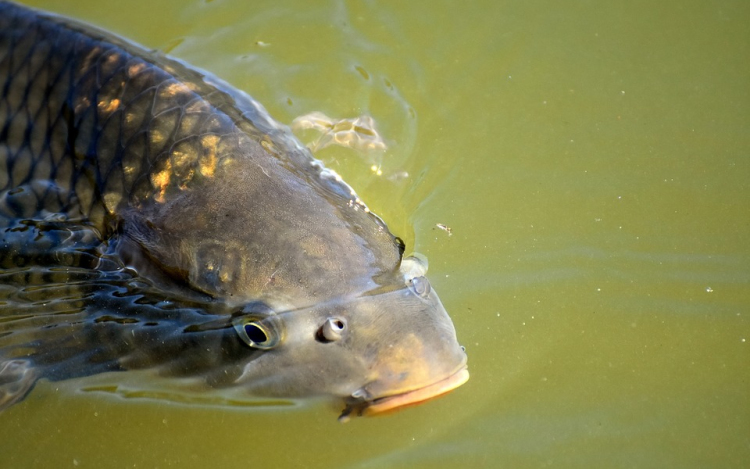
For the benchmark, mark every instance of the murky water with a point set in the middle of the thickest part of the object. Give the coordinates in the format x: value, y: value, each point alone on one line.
x: 591, y: 160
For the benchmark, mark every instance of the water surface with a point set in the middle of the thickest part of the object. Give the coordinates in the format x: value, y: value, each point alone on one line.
x: 592, y: 160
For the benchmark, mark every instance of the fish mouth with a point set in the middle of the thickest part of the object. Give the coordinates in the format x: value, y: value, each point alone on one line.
x: 409, y: 398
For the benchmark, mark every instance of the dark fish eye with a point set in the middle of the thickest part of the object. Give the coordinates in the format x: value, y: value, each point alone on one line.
x: 257, y: 334
x: 420, y: 286
x: 331, y: 330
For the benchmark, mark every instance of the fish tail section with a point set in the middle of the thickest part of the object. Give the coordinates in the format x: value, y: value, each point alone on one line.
x: 17, y: 378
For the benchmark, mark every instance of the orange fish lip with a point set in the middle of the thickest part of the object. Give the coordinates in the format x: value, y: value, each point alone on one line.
x: 416, y: 396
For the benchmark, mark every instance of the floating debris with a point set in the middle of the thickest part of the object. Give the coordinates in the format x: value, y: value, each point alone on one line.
x: 445, y: 228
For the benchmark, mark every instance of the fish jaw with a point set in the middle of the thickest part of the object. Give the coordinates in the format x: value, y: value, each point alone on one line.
x: 394, y: 402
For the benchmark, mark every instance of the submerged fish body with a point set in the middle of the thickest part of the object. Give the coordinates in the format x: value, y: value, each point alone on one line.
x: 153, y: 217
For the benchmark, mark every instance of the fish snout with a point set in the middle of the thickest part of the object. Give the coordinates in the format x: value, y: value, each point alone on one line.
x: 413, y: 365
x: 425, y: 361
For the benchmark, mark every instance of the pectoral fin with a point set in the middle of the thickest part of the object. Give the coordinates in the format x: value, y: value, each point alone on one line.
x: 17, y: 377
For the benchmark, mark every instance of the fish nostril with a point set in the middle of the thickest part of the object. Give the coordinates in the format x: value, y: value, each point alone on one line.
x: 420, y: 286
x: 331, y: 330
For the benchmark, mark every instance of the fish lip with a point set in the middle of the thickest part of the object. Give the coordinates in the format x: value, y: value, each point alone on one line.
x: 384, y: 404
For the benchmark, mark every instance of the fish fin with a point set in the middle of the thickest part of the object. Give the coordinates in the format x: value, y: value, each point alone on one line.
x: 17, y: 377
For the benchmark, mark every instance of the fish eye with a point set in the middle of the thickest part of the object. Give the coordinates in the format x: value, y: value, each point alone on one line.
x: 257, y: 334
x: 331, y: 330
x: 420, y: 286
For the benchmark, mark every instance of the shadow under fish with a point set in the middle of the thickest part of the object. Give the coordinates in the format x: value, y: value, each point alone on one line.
x: 153, y: 217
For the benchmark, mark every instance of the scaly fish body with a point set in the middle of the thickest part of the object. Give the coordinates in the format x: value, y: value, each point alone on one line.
x: 156, y: 175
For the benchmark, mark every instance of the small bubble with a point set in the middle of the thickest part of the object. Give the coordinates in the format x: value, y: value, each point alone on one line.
x: 709, y: 290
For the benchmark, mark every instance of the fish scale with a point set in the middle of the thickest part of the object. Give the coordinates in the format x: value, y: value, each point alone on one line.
x: 117, y: 117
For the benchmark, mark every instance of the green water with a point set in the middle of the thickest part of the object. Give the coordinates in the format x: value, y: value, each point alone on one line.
x: 592, y: 160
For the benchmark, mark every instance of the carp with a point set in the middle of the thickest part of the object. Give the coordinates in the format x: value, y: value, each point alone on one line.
x: 154, y: 217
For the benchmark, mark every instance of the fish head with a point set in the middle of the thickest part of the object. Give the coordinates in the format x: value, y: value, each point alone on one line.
x: 388, y: 348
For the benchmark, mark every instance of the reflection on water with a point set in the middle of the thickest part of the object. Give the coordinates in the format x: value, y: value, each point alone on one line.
x: 57, y: 280
x: 202, y: 399
x: 70, y: 307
